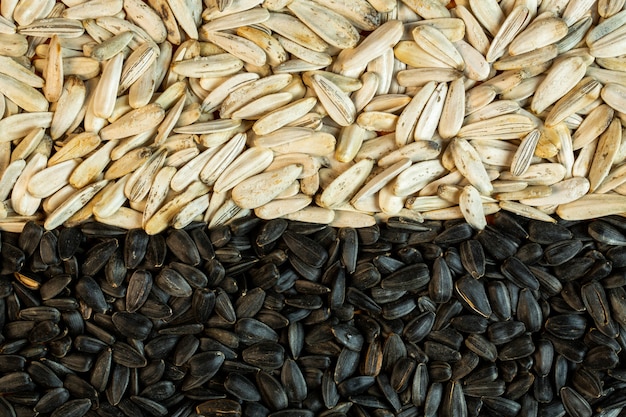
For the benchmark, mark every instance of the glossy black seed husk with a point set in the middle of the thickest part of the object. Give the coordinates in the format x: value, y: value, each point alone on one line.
x: 283, y: 318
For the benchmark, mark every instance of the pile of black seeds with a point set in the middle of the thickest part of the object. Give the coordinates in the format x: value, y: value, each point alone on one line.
x: 290, y: 319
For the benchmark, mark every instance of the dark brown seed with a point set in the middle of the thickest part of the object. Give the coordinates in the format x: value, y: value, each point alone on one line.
x: 52, y: 400
x: 272, y: 391
x: 251, y: 331
x: 101, y: 370
x: 156, y: 252
x: 73, y: 408
x: 40, y: 313
x: 548, y: 283
x: 90, y: 292
x: 433, y: 400
x: 132, y: 325
x: 80, y: 388
x: 440, y: 286
x: 481, y: 346
x: 185, y: 348
x: 362, y: 301
x: 382, y: 380
x: 499, y: 299
x: 43, y: 375
x: 305, y: 248
x: 265, y: 355
x: 545, y: 233
x: 604, y: 232
x: 419, y: 385
x: 473, y: 294
x: 194, y: 276
x: 497, y: 244
x: 566, y: 326
x: 601, y: 358
x: 573, y: 269
x: 454, y: 234
x: 54, y: 286
x: 439, y: 371
x: 518, y: 348
x: 519, y: 274
x: 520, y: 386
x: 349, y: 248
x: 574, y: 403
x: 139, y: 287
x: 222, y: 407
x: 224, y: 307
x: 12, y: 259
x: 411, y: 278
x: 587, y: 382
x: 560, y: 252
x: 69, y: 241
x: 402, y: 374
x: 573, y: 350
x: 505, y: 331
x: 473, y: 257
x: 330, y: 395
x: 173, y: 283
x: 348, y: 336
x: 400, y: 308
x: 135, y: 247
x: 347, y: 365
x: 469, y: 323
x: 30, y: 237
x: 202, y: 367
x: 594, y: 297
x: 529, y: 253
x: 48, y: 248
x: 15, y: 382
x: 202, y: 304
x: 271, y: 231
x: 419, y: 327
x: 355, y: 385
x: 126, y: 355
x: 528, y: 311
x: 183, y: 247
x: 98, y: 256
x: 150, y: 406
x: 453, y: 401
x: 366, y: 275
x: 510, y: 225
x: 617, y: 255
x: 159, y: 391
x: 241, y: 387
x: 502, y: 406
x: 293, y: 381
x: 440, y: 352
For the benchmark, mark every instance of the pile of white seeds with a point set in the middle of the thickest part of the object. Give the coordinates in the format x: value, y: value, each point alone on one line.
x: 343, y: 112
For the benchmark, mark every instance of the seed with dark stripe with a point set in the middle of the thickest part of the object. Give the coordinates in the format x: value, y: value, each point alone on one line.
x: 52, y: 400
x: 73, y: 408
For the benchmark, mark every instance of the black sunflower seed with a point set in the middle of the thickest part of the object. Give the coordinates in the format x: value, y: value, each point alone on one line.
x: 73, y: 408
x: 135, y: 247
x: 516, y: 271
x: 183, y: 247
x: 241, y: 387
x: 546, y: 233
x: 305, y: 248
x: 474, y: 295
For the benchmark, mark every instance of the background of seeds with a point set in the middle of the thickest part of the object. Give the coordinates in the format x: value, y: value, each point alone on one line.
x: 155, y: 114
x: 298, y: 319
x: 167, y: 113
